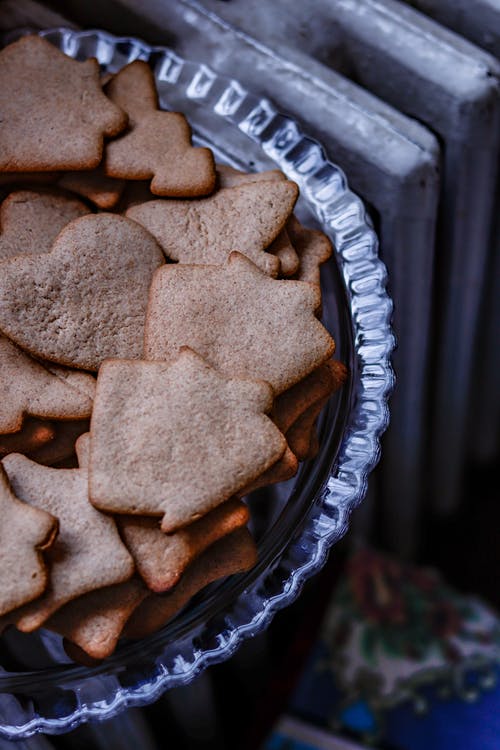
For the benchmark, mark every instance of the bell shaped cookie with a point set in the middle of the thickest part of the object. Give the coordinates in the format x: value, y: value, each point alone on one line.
x: 86, y: 299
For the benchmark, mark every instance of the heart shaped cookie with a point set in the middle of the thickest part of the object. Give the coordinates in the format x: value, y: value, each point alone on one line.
x: 86, y: 299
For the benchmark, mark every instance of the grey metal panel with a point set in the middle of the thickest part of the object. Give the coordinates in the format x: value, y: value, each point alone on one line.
x: 453, y: 87
x: 477, y: 20
x: 436, y: 76
x: 484, y: 425
x: 391, y: 160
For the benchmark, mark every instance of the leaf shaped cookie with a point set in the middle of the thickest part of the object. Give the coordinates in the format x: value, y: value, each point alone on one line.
x: 54, y: 112
x: 95, y: 621
x: 233, y: 554
x: 103, y: 191
x: 176, y: 440
x: 29, y: 388
x: 259, y: 328
x: 86, y: 299
x: 281, y: 471
x: 231, y: 177
x: 313, y: 248
x: 88, y: 553
x: 245, y: 218
x: 281, y: 246
x: 317, y: 386
x: 157, y: 144
x: 24, y: 533
x: 30, y: 221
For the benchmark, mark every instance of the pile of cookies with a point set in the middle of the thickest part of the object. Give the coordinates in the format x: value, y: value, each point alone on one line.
x: 161, y: 354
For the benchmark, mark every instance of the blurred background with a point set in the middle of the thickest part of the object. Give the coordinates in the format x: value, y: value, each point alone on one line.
x: 405, y: 98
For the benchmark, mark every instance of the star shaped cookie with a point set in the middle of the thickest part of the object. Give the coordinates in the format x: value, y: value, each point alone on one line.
x: 260, y: 327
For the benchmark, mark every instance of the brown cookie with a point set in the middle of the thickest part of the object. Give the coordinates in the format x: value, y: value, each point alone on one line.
x: 94, y: 621
x: 281, y: 246
x: 34, y: 434
x: 230, y: 177
x: 25, y: 532
x: 283, y: 249
x: 62, y: 446
x: 31, y: 389
x: 246, y: 218
x: 54, y: 113
x: 313, y: 446
x: 284, y: 469
x: 30, y: 221
x: 86, y: 299
x: 237, y: 318
x: 313, y: 248
x: 103, y: 191
x: 233, y: 554
x: 83, y: 382
x: 176, y: 440
x: 88, y: 553
x: 300, y: 434
x: 157, y: 144
x: 319, y: 384
x: 162, y: 558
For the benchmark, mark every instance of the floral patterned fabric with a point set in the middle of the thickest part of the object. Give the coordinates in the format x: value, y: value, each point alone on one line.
x: 404, y: 658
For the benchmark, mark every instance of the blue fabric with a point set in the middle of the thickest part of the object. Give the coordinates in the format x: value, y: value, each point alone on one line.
x: 451, y: 723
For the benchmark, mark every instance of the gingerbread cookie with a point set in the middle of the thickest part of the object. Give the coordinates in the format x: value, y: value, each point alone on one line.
x: 281, y: 246
x: 54, y: 113
x: 237, y: 318
x: 94, y: 621
x: 283, y: 249
x: 246, y: 218
x: 197, y: 438
x: 284, y: 469
x: 103, y: 191
x: 313, y: 248
x: 30, y: 221
x: 88, y: 553
x: 31, y: 389
x: 230, y: 177
x: 157, y: 144
x: 86, y: 299
x: 300, y: 434
x: 33, y: 435
x: 318, y: 385
x: 162, y: 558
x: 25, y: 533
x: 233, y: 554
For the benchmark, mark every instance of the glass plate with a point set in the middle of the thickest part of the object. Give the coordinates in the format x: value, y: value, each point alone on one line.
x: 295, y: 523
